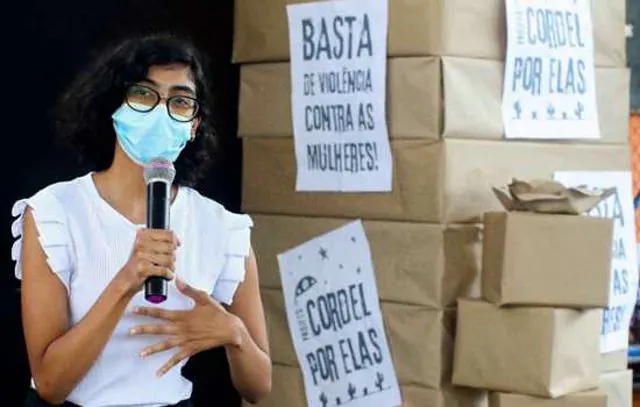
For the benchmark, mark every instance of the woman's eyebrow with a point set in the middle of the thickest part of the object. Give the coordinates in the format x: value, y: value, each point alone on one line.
x: 183, y: 88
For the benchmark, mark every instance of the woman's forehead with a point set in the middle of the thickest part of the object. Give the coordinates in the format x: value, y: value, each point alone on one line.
x: 171, y: 76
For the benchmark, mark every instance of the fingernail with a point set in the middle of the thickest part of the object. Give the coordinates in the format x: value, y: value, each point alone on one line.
x: 133, y: 331
x: 136, y: 310
x: 143, y: 354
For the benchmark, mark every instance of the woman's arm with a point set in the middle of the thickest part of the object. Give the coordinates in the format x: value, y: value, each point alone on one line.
x: 59, y: 356
x: 249, y: 360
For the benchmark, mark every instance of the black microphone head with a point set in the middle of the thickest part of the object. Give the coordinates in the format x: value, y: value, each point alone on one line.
x: 159, y: 169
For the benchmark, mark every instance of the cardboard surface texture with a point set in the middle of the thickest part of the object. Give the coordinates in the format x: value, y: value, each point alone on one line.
x: 537, y: 351
x: 423, y: 27
x: 440, y: 182
x: 545, y: 259
x: 421, y: 340
x: 420, y: 264
x: 614, y: 361
x: 420, y: 105
x: 585, y: 399
x: 288, y: 391
x: 619, y: 388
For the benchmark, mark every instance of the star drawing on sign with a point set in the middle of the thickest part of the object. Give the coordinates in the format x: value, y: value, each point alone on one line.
x: 358, y: 270
x: 323, y: 253
x: 340, y: 266
x: 353, y: 239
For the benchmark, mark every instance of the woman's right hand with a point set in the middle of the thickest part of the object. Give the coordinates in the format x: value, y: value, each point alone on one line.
x: 153, y: 254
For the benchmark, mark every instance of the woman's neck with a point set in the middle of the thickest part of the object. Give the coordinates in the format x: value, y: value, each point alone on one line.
x: 122, y: 186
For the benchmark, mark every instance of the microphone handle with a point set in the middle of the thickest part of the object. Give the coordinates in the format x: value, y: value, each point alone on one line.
x: 158, y: 193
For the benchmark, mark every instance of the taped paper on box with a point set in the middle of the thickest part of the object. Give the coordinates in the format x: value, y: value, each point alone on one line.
x: 549, y: 82
x: 614, y: 335
x: 335, y: 321
x: 338, y: 83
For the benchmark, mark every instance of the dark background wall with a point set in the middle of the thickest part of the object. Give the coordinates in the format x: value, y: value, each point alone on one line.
x: 45, y: 43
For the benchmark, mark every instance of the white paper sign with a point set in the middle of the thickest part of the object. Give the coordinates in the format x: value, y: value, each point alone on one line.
x: 335, y: 321
x: 338, y: 92
x: 624, y: 267
x: 549, y: 82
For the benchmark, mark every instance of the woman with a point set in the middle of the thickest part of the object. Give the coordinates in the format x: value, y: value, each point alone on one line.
x: 83, y: 253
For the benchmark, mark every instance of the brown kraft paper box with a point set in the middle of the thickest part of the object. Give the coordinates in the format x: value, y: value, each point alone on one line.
x: 614, y: 361
x: 619, y: 388
x: 584, y: 399
x: 420, y: 105
x: 538, y: 351
x: 424, y: 27
x: 546, y: 259
x: 440, y: 182
x: 415, y: 263
x: 288, y: 391
x: 421, y: 340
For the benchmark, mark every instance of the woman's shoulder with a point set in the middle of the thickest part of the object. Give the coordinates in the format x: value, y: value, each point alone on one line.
x: 61, y: 192
x: 53, y: 197
x: 207, y: 207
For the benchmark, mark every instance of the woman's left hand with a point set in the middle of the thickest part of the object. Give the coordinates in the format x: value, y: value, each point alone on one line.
x: 207, y: 325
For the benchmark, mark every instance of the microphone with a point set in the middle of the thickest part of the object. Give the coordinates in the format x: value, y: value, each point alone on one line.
x: 158, y: 176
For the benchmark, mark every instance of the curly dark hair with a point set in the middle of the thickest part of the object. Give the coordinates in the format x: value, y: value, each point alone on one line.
x: 83, y: 114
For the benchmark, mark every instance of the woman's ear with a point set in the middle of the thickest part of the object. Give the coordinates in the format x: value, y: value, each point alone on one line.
x: 194, y: 128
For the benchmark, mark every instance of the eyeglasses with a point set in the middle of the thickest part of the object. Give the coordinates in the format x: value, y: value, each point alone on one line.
x: 144, y: 99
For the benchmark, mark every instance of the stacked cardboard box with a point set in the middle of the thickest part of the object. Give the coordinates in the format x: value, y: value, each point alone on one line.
x: 445, y: 124
x: 545, y: 279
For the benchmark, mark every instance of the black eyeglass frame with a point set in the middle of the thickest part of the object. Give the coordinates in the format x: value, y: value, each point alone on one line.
x: 159, y: 98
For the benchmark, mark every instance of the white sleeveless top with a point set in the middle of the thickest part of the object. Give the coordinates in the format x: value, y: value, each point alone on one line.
x: 87, y: 241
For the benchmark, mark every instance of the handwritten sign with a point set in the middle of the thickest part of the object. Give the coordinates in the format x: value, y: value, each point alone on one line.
x: 335, y: 321
x: 549, y: 82
x: 624, y: 266
x: 338, y: 82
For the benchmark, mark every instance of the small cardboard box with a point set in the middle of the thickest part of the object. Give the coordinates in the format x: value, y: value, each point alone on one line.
x: 467, y: 28
x: 619, y: 388
x: 421, y: 340
x: 585, y: 399
x: 427, y: 98
x: 415, y: 263
x: 614, y: 361
x: 544, y: 259
x: 439, y: 182
x: 537, y: 351
x: 288, y: 391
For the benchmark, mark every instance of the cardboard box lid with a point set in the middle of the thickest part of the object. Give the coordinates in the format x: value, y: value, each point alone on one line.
x: 421, y: 340
x: 441, y: 182
x: 538, y: 351
x: 420, y: 105
x: 584, y: 399
x: 423, y: 27
x: 415, y: 263
x: 546, y: 259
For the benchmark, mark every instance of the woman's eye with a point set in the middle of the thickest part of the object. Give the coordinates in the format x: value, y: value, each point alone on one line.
x: 182, y: 102
x: 140, y: 92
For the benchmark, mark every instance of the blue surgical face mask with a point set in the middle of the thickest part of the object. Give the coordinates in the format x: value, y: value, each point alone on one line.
x: 145, y: 136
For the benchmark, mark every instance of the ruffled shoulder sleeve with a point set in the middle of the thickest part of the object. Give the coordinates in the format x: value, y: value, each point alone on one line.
x: 53, y: 233
x: 237, y: 248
